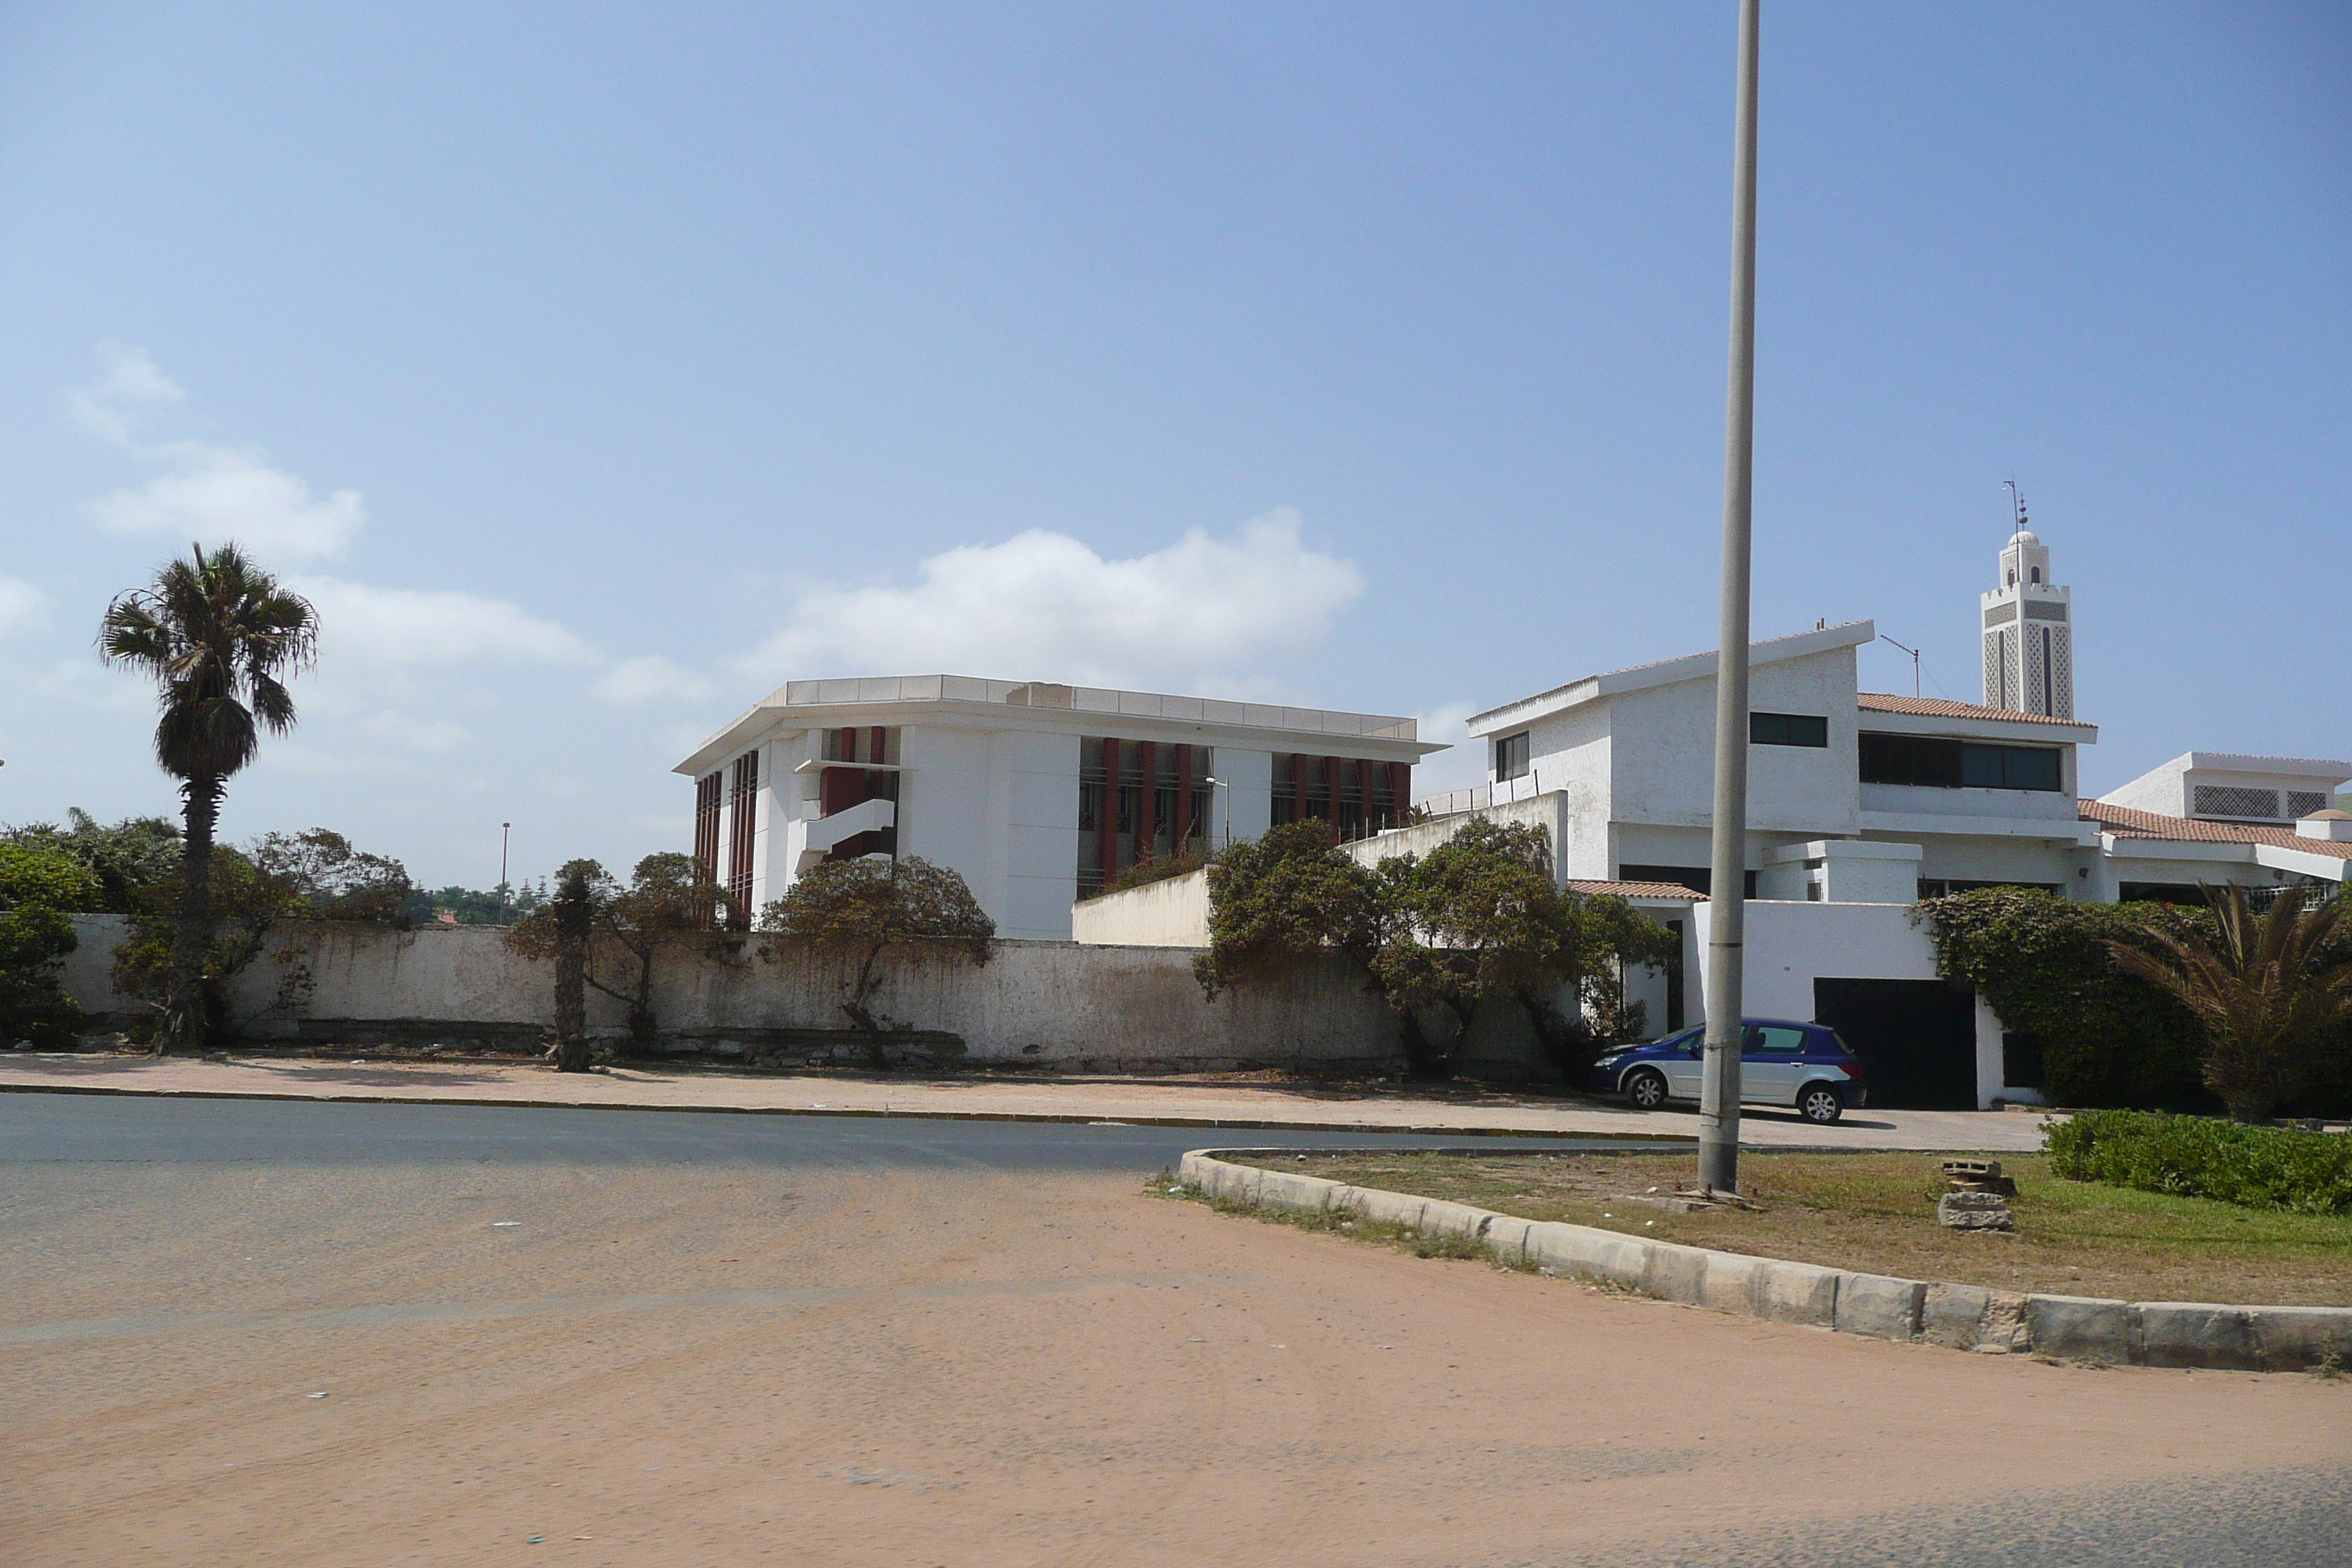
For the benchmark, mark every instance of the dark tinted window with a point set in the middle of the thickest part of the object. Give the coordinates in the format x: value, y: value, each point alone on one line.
x: 1788, y: 730
x: 1511, y: 757
x: 1941, y: 763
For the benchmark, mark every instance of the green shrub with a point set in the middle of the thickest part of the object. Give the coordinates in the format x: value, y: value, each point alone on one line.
x: 38, y: 886
x: 2193, y: 1156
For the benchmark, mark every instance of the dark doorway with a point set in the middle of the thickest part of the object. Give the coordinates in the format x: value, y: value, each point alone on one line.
x: 1917, y: 1039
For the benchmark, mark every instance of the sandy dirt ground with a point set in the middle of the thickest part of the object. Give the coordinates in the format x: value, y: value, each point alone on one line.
x: 1371, y: 1107
x: 487, y: 1363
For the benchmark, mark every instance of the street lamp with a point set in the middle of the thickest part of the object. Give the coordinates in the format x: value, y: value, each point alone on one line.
x: 504, y: 829
x: 1216, y: 784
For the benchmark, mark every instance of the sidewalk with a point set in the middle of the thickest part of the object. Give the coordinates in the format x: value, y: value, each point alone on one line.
x: 1440, y: 1110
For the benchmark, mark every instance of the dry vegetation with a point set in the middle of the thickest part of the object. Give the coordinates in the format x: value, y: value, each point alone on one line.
x: 1876, y: 1213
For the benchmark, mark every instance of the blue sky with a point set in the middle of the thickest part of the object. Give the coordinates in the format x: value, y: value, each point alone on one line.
x: 596, y: 369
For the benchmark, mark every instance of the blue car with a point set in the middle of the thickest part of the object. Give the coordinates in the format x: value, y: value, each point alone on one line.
x: 1781, y: 1062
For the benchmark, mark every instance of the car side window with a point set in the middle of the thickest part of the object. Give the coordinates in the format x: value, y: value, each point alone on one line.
x: 1775, y: 1040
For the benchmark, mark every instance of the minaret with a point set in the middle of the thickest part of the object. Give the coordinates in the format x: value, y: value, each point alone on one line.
x: 2029, y: 633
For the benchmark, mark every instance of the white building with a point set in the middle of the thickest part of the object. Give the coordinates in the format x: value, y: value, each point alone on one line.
x: 1862, y: 803
x: 1036, y: 793
x: 2222, y: 786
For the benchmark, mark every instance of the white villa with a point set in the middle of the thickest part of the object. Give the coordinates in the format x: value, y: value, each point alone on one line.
x: 1036, y: 794
x: 1860, y: 805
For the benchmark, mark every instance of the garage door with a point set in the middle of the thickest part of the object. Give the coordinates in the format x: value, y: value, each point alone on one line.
x: 1917, y: 1039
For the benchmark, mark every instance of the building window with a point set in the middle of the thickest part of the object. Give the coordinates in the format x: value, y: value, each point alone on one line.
x: 1511, y: 757
x: 1936, y: 763
x: 1788, y: 730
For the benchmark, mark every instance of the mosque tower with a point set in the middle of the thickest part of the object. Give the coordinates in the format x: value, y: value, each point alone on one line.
x: 2029, y: 633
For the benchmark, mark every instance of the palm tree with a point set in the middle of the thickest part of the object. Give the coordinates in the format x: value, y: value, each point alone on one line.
x: 2264, y: 989
x: 219, y: 635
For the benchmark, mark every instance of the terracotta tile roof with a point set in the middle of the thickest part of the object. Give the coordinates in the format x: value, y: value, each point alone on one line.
x: 1636, y: 890
x: 1938, y: 707
x: 2126, y: 823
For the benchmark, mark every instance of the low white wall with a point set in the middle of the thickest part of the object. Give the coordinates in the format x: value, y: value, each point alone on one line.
x: 1046, y: 1003
x: 1171, y: 913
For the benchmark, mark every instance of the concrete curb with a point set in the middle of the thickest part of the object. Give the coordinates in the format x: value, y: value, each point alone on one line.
x: 1082, y: 1119
x: 2199, y: 1334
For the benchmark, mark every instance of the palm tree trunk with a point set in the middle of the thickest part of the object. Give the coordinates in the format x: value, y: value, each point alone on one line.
x: 184, y: 1002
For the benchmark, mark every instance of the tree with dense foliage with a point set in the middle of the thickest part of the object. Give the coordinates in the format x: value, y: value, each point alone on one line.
x: 2267, y: 987
x: 125, y: 858
x: 859, y: 912
x: 2044, y: 965
x: 250, y: 895
x: 1287, y: 896
x: 1481, y: 918
x: 40, y: 887
x: 219, y: 637
x: 669, y: 903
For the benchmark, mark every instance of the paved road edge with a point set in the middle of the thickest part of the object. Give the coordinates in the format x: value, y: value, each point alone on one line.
x: 1080, y: 1119
x: 2180, y: 1334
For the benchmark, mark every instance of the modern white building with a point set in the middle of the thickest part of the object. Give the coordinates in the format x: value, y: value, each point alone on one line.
x: 1862, y: 803
x: 1037, y: 793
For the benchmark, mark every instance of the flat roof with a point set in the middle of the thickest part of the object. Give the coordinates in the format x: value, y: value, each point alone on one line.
x: 828, y: 700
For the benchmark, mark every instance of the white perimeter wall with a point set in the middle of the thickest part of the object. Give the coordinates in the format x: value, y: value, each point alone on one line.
x: 1789, y: 946
x: 1171, y: 913
x: 1034, y: 1003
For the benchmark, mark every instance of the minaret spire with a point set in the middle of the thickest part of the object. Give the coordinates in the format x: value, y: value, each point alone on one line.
x: 2029, y: 633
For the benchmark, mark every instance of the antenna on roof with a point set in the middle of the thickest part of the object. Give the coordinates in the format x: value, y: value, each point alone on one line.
x: 1915, y: 662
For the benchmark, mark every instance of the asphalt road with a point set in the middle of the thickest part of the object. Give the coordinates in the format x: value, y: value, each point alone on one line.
x: 172, y: 1393
x: 44, y: 1127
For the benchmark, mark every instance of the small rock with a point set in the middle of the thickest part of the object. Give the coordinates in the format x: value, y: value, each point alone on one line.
x: 1974, y: 1211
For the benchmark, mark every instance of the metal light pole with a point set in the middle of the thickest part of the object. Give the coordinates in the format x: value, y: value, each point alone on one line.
x: 504, y: 829
x: 1718, y: 1114
x: 1216, y: 784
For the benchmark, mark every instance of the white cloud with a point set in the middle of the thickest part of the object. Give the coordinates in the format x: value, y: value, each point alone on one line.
x: 1043, y: 607
x: 128, y: 386
x: 407, y: 627
x: 21, y: 606
x: 653, y: 679
x: 207, y: 491
x: 214, y: 493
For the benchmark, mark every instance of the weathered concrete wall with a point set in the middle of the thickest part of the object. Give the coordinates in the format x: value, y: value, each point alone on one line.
x: 1171, y: 913
x: 1044, y: 1003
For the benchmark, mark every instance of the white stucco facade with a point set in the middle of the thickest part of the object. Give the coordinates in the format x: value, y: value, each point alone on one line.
x: 1004, y: 781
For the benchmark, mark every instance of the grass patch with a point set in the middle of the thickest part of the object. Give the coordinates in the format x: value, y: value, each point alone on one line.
x: 1875, y: 1213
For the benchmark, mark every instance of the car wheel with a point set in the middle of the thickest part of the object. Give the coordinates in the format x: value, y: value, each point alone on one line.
x: 1646, y: 1089
x: 1820, y: 1104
